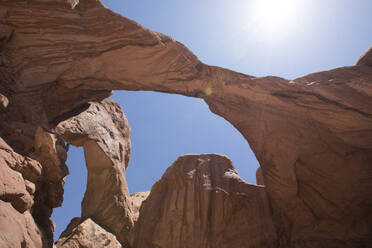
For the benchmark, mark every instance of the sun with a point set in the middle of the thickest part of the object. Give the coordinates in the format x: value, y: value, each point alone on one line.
x: 274, y: 15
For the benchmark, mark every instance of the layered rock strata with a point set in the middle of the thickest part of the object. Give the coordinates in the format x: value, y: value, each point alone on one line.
x: 311, y: 135
x: 202, y: 202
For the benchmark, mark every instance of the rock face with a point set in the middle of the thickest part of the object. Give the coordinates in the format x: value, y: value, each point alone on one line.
x: 17, y: 229
x: 312, y: 135
x: 137, y: 199
x: 103, y: 130
x: 202, y: 202
x: 19, y: 177
x: 12, y: 184
x: 87, y: 235
x: 366, y: 58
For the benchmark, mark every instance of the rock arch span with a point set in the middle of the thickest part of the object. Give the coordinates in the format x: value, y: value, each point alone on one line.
x: 311, y: 135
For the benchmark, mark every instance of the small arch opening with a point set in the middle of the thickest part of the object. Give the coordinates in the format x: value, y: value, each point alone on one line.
x: 74, y: 189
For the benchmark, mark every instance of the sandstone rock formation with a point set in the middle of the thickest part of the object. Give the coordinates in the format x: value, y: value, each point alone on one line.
x: 366, y: 58
x: 17, y: 229
x: 103, y: 130
x: 202, y: 202
x: 259, y: 177
x: 19, y: 177
x: 137, y: 199
x: 86, y: 235
x: 311, y: 135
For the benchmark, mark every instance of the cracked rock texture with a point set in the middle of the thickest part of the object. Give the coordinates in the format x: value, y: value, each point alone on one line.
x: 201, y: 201
x: 311, y: 135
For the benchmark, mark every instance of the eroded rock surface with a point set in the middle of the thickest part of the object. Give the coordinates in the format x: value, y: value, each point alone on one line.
x: 136, y: 200
x: 366, y: 58
x: 202, y: 202
x: 86, y: 235
x: 19, y: 177
x: 311, y: 135
x: 103, y: 130
x: 18, y: 229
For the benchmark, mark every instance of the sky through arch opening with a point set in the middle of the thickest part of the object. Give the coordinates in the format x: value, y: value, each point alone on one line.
x: 166, y: 126
x: 74, y: 189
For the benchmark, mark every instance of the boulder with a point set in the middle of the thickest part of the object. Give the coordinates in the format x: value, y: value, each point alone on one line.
x: 87, y: 234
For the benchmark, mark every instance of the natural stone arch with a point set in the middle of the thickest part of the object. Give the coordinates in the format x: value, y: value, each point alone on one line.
x: 309, y: 134
x: 103, y: 131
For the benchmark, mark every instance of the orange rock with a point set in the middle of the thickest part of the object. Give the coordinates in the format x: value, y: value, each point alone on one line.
x: 366, y: 58
x: 86, y: 235
x: 19, y: 230
x: 137, y: 199
x: 201, y: 201
x: 311, y: 135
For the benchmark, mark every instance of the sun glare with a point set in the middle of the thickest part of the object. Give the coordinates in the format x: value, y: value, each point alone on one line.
x: 274, y: 15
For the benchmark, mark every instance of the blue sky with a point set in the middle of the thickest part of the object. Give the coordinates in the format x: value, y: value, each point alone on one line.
x: 317, y: 35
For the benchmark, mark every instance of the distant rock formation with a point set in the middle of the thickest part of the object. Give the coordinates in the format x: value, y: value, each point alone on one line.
x: 202, y: 202
x: 61, y: 58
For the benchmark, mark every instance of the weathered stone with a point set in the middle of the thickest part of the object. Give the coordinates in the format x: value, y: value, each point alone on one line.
x: 366, y: 58
x: 86, y: 235
x: 3, y: 103
x: 18, y: 230
x: 5, y: 33
x: 27, y: 188
x: 259, y: 177
x: 49, y: 190
x: 30, y: 169
x: 18, y: 176
x: 103, y: 131
x: 136, y: 200
x: 104, y: 123
x: 201, y: 201
x: 312, y: 135
x: 49, y: 152
x: 70, y: 227
x: 13, y: 189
